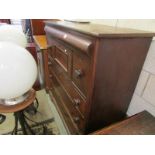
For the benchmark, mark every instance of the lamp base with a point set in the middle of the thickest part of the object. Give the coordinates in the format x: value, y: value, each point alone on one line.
x: 16, y: 100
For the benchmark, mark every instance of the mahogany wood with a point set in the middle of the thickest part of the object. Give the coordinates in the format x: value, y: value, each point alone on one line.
x: 81, y: 43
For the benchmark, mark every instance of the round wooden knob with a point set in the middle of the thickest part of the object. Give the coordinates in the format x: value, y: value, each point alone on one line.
x: 50, y: 75
x: 76, y: 119
x: 49, y: 63
x: 78, y: 72
x: 77, y: 102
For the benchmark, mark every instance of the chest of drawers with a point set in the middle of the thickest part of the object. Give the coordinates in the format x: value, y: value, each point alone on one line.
x: 92, y: 71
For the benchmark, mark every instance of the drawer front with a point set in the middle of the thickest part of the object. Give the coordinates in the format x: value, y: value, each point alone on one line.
x: 72, y: 116
x: 61, y: 56
x: 77, y: 100
x: 81, y: 71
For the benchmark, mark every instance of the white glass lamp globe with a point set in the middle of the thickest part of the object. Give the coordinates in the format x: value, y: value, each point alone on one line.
x: 12, y: 34
x: 18, y: 70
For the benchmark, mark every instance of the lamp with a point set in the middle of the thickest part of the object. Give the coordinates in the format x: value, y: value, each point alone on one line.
x: 13, y: 34
x: 18, y: 72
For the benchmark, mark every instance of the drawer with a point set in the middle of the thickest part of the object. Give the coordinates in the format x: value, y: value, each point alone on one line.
x: 62, y: 56
x: 71, y: 111
x: 77, y: 100
x: 81, y: 71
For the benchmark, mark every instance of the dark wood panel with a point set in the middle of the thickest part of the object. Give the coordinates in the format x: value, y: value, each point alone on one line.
x: 119, y: 63
x: 82, y: 43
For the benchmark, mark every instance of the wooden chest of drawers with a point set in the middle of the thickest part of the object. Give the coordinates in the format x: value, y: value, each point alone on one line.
x: 92, y: 71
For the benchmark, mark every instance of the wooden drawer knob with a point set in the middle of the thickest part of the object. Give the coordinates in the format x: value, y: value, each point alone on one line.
x: 50, y: 76
x: 78, y: 72
x: 76, y: 102
x: 49, y: 63
x: 76, y: 119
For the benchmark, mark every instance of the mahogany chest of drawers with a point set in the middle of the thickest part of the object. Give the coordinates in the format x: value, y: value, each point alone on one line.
x: 91, y: 72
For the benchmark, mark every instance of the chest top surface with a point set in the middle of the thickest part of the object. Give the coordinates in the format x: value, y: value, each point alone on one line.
x: 99, y: 30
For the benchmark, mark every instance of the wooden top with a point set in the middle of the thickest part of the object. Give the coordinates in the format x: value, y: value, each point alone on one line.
x: 41, y: 42
x: 99, y: 30
x: 139, y: 124
x: 20, y: 106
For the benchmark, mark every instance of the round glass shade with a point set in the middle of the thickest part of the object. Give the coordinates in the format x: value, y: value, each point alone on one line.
x: 12, y: 34
x: 18, y: 70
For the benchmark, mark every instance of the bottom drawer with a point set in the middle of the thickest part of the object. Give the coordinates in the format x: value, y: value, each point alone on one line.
x: 70, y: 115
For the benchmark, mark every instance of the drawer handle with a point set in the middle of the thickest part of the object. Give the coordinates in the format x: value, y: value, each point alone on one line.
x: 50, y: 76
x: 76, y: 102
x: 49, y: 63
x: 76, y: 119
x: 78, y: 73
x: 62, y: 49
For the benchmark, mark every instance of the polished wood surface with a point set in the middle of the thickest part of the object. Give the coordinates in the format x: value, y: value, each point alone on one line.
x: 20, y: 106
x: 92, y: 85
x: 41, y: 42
x: 100, y: 30
x: 118, y: 66
x: 139, y: 124
x: 82, y: 43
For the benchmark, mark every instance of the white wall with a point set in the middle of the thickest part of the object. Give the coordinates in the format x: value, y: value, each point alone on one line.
x: 144, y: 95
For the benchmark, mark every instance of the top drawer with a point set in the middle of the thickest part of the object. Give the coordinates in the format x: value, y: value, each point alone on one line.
x: 81, y: 42
x: 62, y: 56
